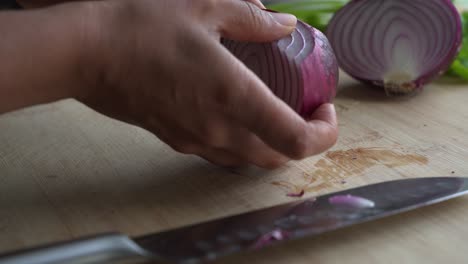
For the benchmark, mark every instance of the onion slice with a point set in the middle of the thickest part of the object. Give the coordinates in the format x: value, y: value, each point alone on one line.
x: 400, y: 45
x: 351, y: 201
x: 296, y: 194
x: 270, y: 237
x: 301, y: 69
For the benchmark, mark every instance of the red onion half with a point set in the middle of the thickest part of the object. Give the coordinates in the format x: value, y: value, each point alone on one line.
x: 301, y: 69
x: 400, y: 45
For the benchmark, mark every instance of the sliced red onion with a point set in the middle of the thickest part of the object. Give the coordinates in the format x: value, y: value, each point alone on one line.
x: 301, y: 69
x: 351, y: 201
x: 400, y: 45
x: 267, y: 239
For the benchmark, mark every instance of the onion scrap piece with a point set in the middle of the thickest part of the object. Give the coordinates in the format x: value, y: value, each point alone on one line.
x: 296, y: 194
x: 351, y: 201
x: 270, y: 237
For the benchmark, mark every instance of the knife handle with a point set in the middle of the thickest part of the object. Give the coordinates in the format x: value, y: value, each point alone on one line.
x: 106, y: 248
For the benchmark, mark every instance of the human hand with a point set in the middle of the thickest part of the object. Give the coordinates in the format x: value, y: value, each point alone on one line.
x: 160, y: 65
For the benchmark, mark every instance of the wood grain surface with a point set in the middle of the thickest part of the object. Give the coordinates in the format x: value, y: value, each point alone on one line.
x: 66, y: 172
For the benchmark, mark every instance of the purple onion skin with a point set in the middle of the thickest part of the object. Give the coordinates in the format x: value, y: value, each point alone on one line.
x: 416, y: 85
x: 315, y: 73
x: 320, y: 74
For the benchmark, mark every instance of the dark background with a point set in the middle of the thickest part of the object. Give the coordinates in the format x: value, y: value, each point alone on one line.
x: 9, y: 4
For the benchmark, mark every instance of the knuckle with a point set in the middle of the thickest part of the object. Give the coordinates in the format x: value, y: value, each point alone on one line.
x: 224, y: 161
x: 208, y: 5
x: 214, y: 136
x: 233, y: 163
x: 255, y: 17
x: 214, y: 140
x: 231, y: 92
x: 183, y: 147
x: 207, y: 9
x: 240, y: 96
x: 223, y: 96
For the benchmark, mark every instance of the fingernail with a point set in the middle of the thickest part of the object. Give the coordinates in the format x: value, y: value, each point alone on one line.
x: 282, y: 18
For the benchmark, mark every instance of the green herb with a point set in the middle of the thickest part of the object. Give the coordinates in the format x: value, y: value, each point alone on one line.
x: 459, y: 67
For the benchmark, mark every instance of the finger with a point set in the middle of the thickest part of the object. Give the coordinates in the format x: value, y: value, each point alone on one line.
x: 187, y: 145
x: 221, y: 157
x: 215, y: 156
x: 186, y: 142
x: 257, y: 3
x: 249, y: 147
x: 323, y: 127
x: 175, y: 137
x: 326, y: 113
x: 251, y: 103
x: 247, y: 22
x: 233, y: 139
x: 233, y: 142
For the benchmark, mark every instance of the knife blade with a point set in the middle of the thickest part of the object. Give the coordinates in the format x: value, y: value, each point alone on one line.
x: 254, y: 230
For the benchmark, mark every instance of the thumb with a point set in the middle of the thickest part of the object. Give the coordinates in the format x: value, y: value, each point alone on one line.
x: 257, y: 3
x: 245, y: 21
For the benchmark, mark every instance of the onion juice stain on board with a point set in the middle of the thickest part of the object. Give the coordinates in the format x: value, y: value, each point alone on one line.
x: 342, y: 164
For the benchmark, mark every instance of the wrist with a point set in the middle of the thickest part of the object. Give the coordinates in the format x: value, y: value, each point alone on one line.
x: 91, y: 58
x: 70, y: 33
x: 100, y: 63
x: 49, y: 57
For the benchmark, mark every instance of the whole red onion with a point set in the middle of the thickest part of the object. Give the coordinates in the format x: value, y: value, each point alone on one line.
x: 301, y: 69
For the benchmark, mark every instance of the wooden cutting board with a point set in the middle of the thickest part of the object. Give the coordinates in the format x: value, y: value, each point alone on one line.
x: 66, y: 172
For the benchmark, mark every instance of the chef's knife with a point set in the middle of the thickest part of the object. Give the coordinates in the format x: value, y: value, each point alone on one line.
x: 251, y: 231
